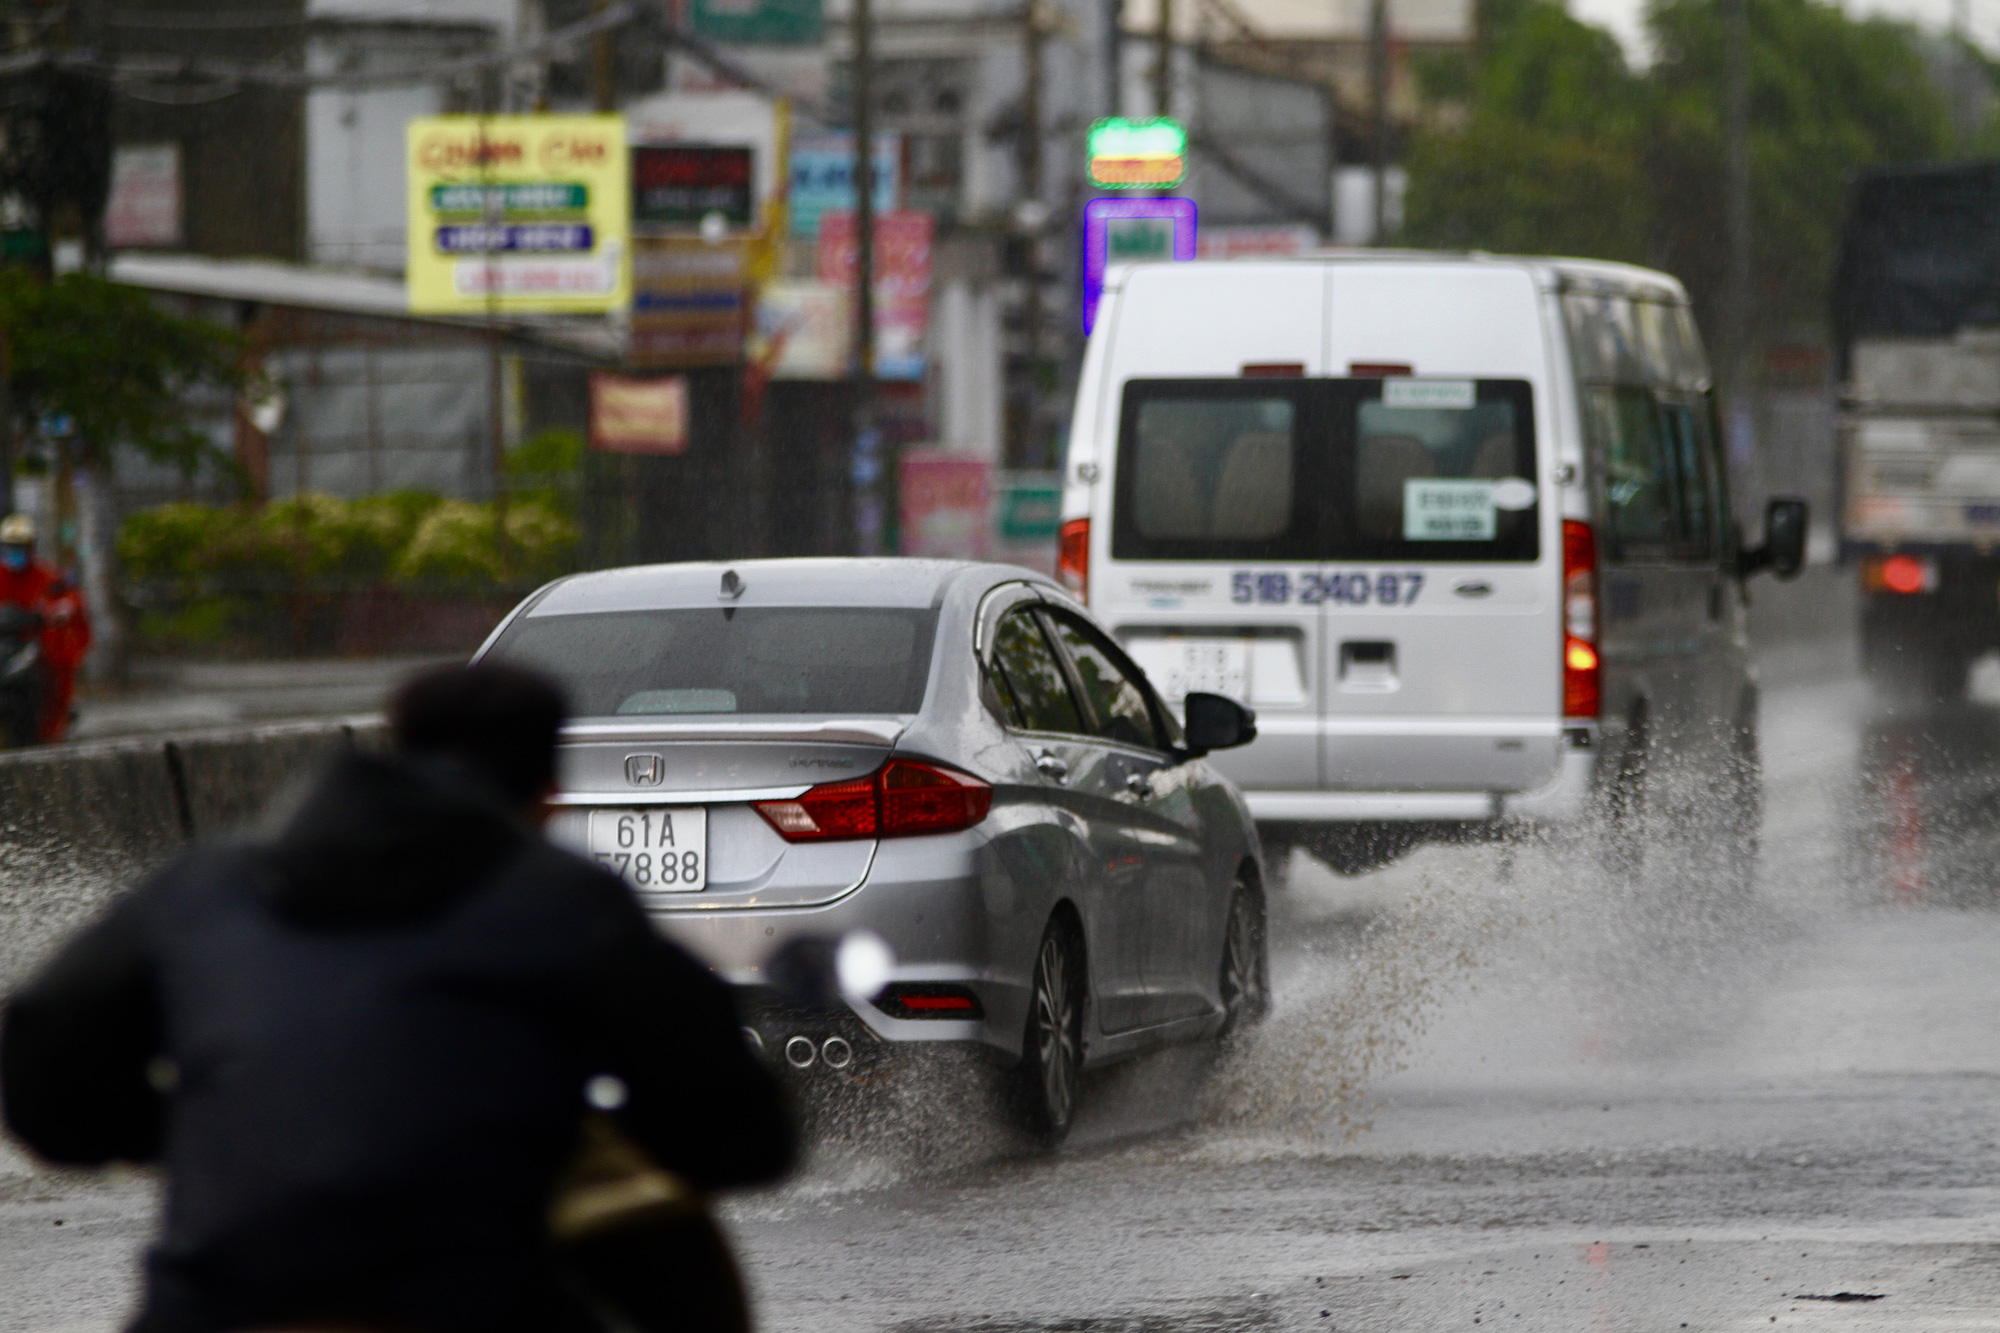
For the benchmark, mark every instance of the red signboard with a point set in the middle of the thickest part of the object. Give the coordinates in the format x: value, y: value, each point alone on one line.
x: 902, y: 283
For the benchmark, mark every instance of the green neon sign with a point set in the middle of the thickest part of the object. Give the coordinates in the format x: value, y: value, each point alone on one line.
x: 517, y: 197
x: 1137, y: 154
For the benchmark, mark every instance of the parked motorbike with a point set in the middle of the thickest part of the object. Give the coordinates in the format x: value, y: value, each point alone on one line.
x: 23, y: 676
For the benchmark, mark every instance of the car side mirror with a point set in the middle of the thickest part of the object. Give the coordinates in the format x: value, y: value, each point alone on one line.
x: 1216, y: 722
x: 1784, y: 548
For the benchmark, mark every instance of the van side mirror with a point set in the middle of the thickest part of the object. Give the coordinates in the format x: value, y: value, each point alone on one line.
x: 1784, y: 548
x: 1216, y: 722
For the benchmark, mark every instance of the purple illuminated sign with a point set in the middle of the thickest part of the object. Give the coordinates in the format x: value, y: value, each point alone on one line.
x: 1131, y: 231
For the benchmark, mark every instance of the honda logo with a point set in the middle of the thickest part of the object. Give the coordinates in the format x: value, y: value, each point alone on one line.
x: 645, y: 770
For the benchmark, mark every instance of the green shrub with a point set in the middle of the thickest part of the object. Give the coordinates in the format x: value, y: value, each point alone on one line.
x: 175, y: 541
x: 456, y: 546
x: 411, y: 539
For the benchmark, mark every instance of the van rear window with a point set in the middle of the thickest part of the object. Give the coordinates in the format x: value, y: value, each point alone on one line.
x: 1336, y: 469
x: 1209, y: 469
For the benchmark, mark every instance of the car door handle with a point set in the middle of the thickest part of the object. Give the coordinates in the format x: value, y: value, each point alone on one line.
x: 1140, y: 785
x: 1052, y: 766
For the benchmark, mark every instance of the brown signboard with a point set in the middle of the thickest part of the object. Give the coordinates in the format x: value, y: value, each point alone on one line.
x: 690, y: 301
x: 632, y: 415
x: 678, y: 185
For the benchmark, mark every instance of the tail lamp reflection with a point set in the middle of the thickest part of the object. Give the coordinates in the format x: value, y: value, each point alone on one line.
x: 930, y: 999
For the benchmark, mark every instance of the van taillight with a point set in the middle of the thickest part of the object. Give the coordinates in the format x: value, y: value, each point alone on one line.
x: 1581, y: 692
x: 903, y: 798
x: 1073, y: 558
x: 1899, y: 573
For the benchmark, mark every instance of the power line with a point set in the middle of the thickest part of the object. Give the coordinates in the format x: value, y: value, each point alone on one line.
x: 158, y: 67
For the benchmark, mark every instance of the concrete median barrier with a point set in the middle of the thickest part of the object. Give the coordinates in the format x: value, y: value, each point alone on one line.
x: 226, y: 781
x: 80, y: 822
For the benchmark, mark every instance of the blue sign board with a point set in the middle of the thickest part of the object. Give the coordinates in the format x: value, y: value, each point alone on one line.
x: 823, y: 177
x: 1131, y: 231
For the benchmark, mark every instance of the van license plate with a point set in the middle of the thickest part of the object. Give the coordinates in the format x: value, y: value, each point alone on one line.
x: 1210, y: 666
x: 657, y: 848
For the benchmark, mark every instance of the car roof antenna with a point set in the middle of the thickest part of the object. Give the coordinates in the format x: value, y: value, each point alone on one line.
x: 732, y: 585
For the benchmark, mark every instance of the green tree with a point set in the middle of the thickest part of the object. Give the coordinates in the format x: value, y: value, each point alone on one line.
x: 114, y: 362
x: 1546, y: 160
x: 1563, y: 150
x: 1828, y: 94
x: 120, y: 368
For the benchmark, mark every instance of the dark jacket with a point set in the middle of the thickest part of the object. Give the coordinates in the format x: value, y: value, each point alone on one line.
x: 360, y: 1053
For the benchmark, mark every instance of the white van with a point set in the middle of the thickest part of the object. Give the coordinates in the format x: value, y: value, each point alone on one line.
x: 1456, y: 526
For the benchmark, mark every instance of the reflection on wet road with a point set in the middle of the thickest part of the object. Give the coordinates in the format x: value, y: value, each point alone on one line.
x: 1927, y: 827
x: 1519, y: 1096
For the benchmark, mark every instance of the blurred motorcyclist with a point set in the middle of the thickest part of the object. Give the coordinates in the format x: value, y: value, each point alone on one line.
x: 364, y: 1050
x: 39, y: 587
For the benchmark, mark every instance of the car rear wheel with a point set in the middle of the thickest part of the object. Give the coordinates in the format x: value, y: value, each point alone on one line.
x: 1051, y: 1074
x: 1246, y: 966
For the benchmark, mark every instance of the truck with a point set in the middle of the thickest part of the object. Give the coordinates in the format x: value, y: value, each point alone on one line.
x: 1916, y: 320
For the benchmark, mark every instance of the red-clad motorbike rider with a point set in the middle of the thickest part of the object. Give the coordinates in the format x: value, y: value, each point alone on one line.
x: 37, y: 586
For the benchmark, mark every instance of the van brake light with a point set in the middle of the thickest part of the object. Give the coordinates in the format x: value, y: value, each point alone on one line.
x: 1582, y: 693
x: 904, y: 798
x: 1899, y: 573
x: 1073, y: 558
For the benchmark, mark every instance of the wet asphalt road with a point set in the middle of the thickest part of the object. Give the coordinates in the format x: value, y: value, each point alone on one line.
x: 1497, y: 1091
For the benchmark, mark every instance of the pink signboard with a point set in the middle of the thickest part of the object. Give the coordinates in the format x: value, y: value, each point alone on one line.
x: 902, y: 283
x: 946, y: 499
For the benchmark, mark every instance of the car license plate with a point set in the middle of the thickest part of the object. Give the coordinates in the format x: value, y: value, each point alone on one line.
x: 1180, y: 667
x: 657, y: 848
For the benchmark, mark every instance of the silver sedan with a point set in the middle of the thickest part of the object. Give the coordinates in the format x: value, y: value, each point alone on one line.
x: 953, y: 756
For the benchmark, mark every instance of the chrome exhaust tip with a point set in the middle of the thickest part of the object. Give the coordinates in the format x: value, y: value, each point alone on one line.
x: 837, y: 1053
x: 799, y: 1052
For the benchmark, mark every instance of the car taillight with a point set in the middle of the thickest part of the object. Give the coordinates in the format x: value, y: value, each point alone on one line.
x: 904, y: 798
x: 1581, y: 695
x: 1073, y: 558
x: 1904, y: 574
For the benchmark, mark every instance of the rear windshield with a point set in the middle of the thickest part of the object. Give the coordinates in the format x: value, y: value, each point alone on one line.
x: 1339, y: 469
x: 689, y: 661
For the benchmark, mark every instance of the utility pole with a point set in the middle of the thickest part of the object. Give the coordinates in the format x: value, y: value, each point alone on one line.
x: 1964, y: 77
x: 603, y: 66
x: 1736, y: 202
x: 1163, y: 72
x: 868, y: 464
x: 1031, y: 216
x: 1378, y: 115
x: 1114, y: 57
x: 603, y: 99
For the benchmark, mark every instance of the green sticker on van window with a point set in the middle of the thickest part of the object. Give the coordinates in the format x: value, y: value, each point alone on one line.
x: 1456, y: 510
x: 1455, y: 394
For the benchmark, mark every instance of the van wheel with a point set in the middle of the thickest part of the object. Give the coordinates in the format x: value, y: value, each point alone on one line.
x: 1246, y: 964
x: 1050, y: 1077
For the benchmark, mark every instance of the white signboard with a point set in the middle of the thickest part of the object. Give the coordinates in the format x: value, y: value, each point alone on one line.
x: 144, y: 208
x: 1455, y: 395
x: 1454, y: 510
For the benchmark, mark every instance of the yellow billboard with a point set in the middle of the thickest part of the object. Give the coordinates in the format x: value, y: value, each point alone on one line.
x: 516, y: 214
